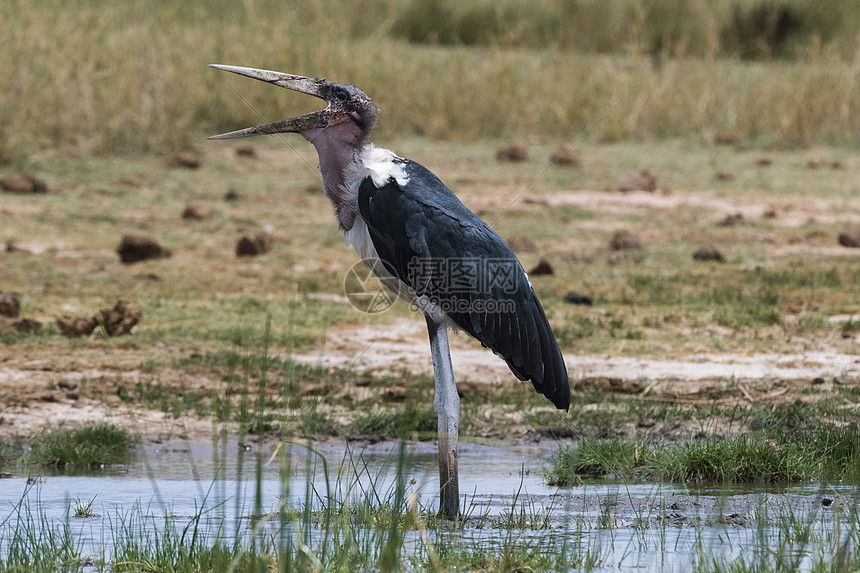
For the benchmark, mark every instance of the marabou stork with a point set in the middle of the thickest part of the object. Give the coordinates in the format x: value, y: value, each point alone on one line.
x: 426, y: 246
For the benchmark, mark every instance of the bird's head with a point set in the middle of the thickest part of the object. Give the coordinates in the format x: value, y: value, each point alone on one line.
x: 350, y: 115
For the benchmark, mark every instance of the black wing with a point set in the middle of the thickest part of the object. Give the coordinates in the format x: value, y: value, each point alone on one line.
x: 428, y: 239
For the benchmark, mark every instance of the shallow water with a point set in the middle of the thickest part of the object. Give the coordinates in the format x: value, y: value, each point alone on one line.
x: 630, y: 526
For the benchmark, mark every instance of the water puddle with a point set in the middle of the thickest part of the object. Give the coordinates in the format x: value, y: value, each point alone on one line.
x: 626, y: 526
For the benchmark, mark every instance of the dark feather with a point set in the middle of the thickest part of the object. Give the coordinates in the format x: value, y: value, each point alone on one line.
x: 428, y: 239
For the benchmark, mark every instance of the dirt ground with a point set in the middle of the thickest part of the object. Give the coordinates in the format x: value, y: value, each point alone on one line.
x: 64, y: 261
x: 32, y: 391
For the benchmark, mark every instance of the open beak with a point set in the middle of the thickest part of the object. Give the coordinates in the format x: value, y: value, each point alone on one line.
x: 310, y: 86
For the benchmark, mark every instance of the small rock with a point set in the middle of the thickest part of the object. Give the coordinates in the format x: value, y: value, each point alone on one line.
x: 838, y: 380
x: 580, y: 299
x: 724, y: 176
x: 732, y: 220
x: 23, y: 183
x: 709, y: 253
x: 67, y: 384
x: 185, y: 159
x: 646, y: 423
x: 194, y: 212
x: 818, y: 380
x: 48, y: 397
x: 231, y: 195
x: 827, y: 501
x: 120, y: 318
x: 246, y: 151
x: 764, y: 162
x: 522, y: 245
x: 641, y: 180
x: 136, y: 248
x: 514, y: 153
x: 625, y: 241
x: 259, y: 244
x: 565, y: 157
x: 542, y: 268
x: 770, y: 213
x: 9, y: 305
x: 850, y: 239
x: 72, y: 395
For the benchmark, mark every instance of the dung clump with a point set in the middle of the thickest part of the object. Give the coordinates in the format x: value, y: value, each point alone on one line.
x: 732, y: 220
x: 850, y: 239
x: 709, y: 253
x: 542, y: 268
x: 136, y: 248
x: 565, y: 157
x: 194, y: 212
x: 75, y: 326
x: 522, y: 244
x: 23, y: 183
x: 625, y: 241
x: 640, y: 180
x: 25, y: 325
x: 515, y: 153
x: 574, y: 297
x: 258, y: 244
x: 184, y: 159
x: 10, y: 306
x: 120, y: 318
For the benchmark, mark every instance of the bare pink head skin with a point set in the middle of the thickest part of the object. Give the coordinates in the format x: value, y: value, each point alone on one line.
x: 337, y: 132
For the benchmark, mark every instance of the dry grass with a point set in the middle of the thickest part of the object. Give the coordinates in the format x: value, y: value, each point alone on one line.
x: 121, y: 77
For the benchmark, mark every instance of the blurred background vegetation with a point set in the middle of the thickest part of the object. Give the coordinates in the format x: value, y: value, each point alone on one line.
x: 120, y: 77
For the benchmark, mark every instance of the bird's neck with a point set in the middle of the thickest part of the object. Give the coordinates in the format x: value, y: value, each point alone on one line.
x: 337, y: 147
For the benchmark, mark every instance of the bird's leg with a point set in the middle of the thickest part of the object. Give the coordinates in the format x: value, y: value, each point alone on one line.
x: 447, y: 404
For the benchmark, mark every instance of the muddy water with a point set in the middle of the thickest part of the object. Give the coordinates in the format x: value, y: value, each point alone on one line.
x: 629, y: 526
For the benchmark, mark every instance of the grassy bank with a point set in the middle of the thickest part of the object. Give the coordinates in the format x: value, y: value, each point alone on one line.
x: 827, y: 453
x: 79, y: 449
x: 128, y: 77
